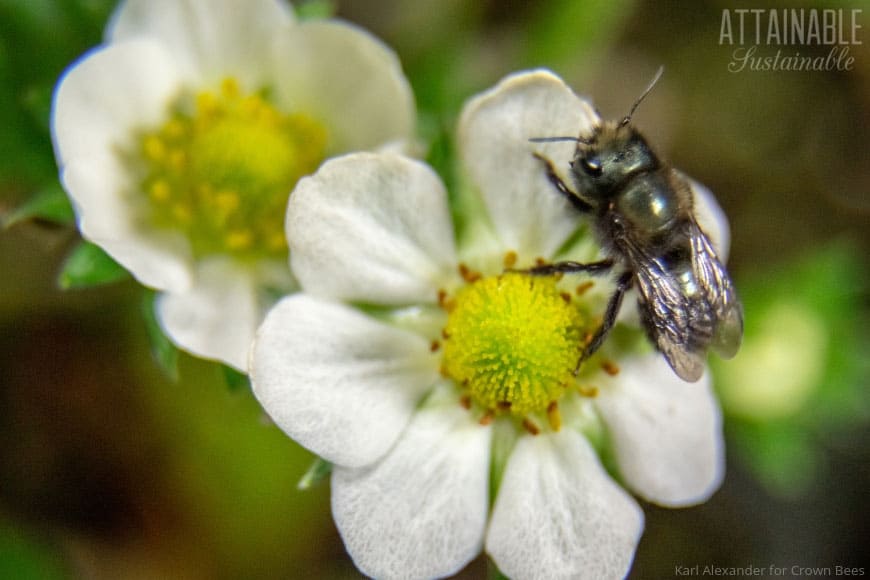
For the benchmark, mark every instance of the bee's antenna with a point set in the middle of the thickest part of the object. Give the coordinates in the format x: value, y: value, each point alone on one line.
x: 627, y: 119
x: 555, y: 139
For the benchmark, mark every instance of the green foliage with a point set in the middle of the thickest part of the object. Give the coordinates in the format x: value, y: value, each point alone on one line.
x: 785, y: 443
x: 49, y: 203
x: 235, y: 380
x: 565, y: 32
x: 38, y: 39
x: 88, y: 265
x: 784, y: 455
x: 316, y: 474
x: 234, y: 474
x: 165, y: 353
x: 493, y: 573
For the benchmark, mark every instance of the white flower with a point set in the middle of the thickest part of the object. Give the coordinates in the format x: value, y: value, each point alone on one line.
x: 180, y: 139
x: 390, y: 363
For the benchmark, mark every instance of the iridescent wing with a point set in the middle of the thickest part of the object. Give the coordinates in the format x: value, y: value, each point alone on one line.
x: 687, y: 303
x: 670, y: 318
x: 720, y: 295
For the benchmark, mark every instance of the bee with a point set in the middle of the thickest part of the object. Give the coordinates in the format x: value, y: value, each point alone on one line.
x: 641, y: 209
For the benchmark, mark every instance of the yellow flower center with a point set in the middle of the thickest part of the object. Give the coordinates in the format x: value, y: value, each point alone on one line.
x: 222, y: 167
x: 512, y: 341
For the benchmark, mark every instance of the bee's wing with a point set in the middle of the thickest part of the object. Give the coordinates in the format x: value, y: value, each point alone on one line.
x: 720, y: 295
x: 668, y: 316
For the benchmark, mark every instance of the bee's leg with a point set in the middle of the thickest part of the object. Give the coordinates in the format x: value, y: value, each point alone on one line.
x: 623, y: 283
x: 561, y: 186
x: 592, y: 268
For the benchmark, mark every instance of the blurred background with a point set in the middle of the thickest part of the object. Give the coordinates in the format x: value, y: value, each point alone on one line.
x: 112, y: 468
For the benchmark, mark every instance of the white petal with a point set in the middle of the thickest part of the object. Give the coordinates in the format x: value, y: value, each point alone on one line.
x: 346, y: 77
x: 98, y: 106
x: 338, y: 382
x: 209, y: 39
x: 421, y: 511
x: 371, y: 228
x: 712, y: 219
x: 666, y: 433
x: 97, y: 186
x: 108, y: 95
x: 529, y: 214
x: 559, y: 515
x: 217, y: 317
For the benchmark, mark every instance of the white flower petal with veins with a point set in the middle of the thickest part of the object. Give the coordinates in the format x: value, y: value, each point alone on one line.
x: 559, y: 515
x: 107, y: 95
x: 372, y: 228
x: 158, y: 259
x: 218, y: 316
x: 366, y: 98
x: 666, y: 433
x: 210, y: 39
x: 494, y: 132
x: 338, y: 382
x: 420, y: 512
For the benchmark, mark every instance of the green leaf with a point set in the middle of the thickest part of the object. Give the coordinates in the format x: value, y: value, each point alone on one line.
x: 49, y: 203
x: 164, y: 352
x: 88, y: 265
x: 234, y: 379
x: 318, y: 471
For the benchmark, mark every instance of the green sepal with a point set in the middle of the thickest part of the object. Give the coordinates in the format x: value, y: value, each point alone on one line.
x: 165, y: 353
x: 49, y: 203
x: 88, y: 265
x: 317, y: 472
x: 235, y: 380
x: 493, y: 573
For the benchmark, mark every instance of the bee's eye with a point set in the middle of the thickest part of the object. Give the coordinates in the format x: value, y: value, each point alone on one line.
x: 592, y: 166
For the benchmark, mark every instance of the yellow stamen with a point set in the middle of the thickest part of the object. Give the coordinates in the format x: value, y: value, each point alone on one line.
x: 222, y: 166
x: 554, y: 417
x: 512, y: 342
x: 160, y: 190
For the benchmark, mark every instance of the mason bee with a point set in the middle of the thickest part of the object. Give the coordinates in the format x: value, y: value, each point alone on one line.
x: 642, y: 214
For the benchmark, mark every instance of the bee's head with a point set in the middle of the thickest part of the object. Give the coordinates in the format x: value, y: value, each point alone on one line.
x: 609, y: 157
